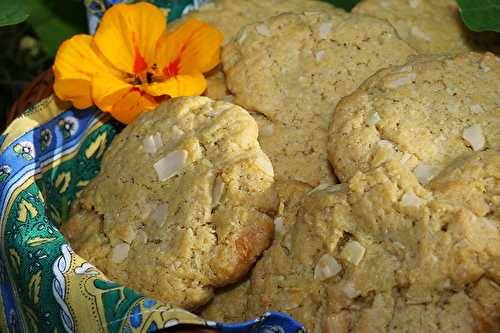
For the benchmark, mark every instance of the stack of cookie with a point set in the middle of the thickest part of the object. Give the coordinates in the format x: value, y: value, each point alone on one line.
x: 369, y: 142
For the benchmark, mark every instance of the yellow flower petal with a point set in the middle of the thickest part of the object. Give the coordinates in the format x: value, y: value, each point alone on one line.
x: 76, y: 60
x: 107, y: 89
x: 180, y: 85
x: 192, y: 47
x: 75, y: 90
x: 128, y: 34
x: 124, y: 101
x: 131, y: 105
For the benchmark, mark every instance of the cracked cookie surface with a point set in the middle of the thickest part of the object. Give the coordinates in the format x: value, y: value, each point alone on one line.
x: 182, y: 204
x: 383, y: 253
x: 424, y: 114
x: 294, y: 68
x: 430, y: 26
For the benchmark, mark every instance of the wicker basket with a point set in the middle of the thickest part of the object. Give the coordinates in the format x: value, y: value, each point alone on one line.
x: 34, y: 92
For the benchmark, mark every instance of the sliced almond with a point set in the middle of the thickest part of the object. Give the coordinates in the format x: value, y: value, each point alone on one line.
x: 405, y: 158
x: 410, y: 199
x: 319, y: 55
x: 266, y: 130
x: 318, y: 188
x: 263, y: 30
x: 265, y: 164
x: 159, y: 214
x: 279, y: 227
x: 325, y: 29
x: 373, y: 119
x: 476, y: 108
x: 171, y: 164
x: 415, y: 31
x: 350, y: 291
x: 217, y: 191
x: 120, y: 253
x: 353, y: 252
x: 401, y: 81
x: 425, y: 173
x: 475, y: 137
x: 326, y: 267
x: 152, y: 143
x: 414, y: 3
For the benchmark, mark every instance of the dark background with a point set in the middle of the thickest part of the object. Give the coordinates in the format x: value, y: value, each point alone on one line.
x: 28, y: 49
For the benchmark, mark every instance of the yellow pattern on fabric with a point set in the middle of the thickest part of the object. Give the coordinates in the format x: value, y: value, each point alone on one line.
x: 41, y: 113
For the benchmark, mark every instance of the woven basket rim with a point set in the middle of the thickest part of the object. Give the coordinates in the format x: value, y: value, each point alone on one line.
x: 34, y: 92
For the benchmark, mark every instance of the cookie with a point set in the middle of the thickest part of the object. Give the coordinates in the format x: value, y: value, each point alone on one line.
x: 230, y: 16
x: 183, y: 204
x: 230, y: 304
x: 424, y: 114
x: 472, y: 181
x: 430, y: 26
x: 216, y: 85
x: 294, y: 68
x: 382, y: 253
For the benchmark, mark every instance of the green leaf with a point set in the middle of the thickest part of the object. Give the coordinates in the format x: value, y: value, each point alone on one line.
x: 480, y: 15
x: 12, y: 12
x: 56, y: 20
x: 345, y: 4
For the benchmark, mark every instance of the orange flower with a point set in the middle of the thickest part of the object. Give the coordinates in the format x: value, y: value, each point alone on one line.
x: 131, y: 63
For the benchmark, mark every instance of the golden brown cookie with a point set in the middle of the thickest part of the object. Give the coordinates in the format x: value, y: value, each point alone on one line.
x: 294, y: 68
x: 424, y: 115
x: 383, y: 253
x: 230, y: 304
x: 230, y: 16
x: 183, y: 203
x: 430, y: 26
